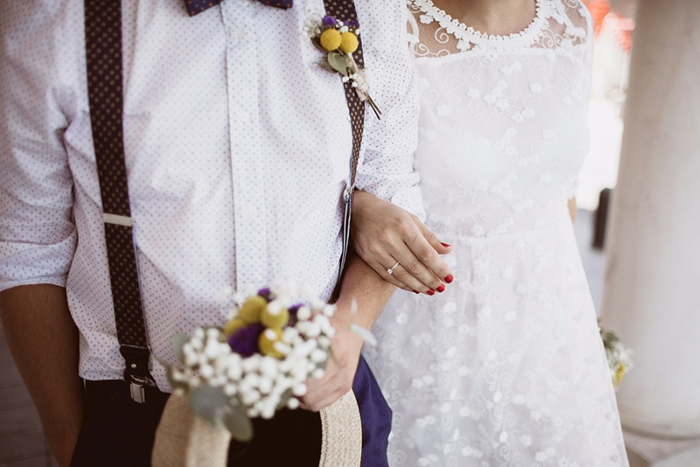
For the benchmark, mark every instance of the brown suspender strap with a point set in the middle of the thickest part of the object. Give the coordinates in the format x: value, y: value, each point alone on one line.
x: 103, y: 48
x: 344, y: 10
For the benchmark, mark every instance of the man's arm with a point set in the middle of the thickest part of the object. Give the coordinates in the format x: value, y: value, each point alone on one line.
x: 37, y: 236
x: 371, y: 293
x: 44, y: 343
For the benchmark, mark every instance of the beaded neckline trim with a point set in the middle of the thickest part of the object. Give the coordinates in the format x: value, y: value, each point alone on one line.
x: 467, y: 37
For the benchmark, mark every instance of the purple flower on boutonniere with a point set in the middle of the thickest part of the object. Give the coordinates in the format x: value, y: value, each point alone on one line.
x: 245, y: 341
x: 265, y: 293
x: 328, y: 20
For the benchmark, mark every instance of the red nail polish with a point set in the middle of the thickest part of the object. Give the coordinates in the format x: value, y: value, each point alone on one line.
x: 446, y: 245
x: 415, y: 292
x: 440, y: 289
x: 431, y: 292
x: 449, y: 279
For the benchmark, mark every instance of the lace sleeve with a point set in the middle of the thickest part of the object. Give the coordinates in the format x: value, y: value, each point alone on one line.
x: 583, y: 11
x: 413, y: 32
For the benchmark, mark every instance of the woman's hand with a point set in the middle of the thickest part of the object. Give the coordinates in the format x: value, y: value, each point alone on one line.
x: 383, y: 234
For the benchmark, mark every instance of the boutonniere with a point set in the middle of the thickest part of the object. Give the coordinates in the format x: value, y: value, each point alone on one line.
x: 339, y: 41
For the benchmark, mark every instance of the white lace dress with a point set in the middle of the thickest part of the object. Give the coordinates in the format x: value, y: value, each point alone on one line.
x: 506, y: 368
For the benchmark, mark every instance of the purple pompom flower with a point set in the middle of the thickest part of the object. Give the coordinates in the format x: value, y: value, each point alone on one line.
x: 265, y: 293
x: 328, y: 21
x: 353, y: 24
x: 245, y: 341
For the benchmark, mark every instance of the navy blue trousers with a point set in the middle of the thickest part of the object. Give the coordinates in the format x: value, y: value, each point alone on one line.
x: 119, y: 432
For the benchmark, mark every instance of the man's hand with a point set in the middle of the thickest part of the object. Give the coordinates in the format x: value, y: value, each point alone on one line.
x: 361, y: 285
x: 340, y: 372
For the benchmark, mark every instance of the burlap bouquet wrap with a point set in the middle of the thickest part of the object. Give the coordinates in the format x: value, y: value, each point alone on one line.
x: 185, y: 440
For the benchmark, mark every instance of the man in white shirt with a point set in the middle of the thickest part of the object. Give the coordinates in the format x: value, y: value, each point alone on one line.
x: 237, y: 145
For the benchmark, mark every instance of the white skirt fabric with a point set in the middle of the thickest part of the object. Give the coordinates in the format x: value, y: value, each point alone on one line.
x: 506, y: 368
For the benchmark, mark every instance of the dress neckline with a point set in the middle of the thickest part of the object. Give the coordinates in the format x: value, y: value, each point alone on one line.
x: 468, y: 37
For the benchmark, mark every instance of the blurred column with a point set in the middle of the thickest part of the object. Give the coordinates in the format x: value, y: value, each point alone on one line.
x: 652, y: 287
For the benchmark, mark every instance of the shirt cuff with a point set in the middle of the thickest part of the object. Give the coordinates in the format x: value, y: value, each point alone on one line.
x: 402, y: 191
x: 59, y: 281
x: 31, y: 264
x: 411, y: 200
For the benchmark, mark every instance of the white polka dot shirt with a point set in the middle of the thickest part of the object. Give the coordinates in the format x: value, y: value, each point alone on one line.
x: 237, y: 148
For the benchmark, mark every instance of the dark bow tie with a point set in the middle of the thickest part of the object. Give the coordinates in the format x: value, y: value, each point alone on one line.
x: 194, y: 7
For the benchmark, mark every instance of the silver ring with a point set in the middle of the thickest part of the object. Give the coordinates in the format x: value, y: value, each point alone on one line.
x: 390, y: 271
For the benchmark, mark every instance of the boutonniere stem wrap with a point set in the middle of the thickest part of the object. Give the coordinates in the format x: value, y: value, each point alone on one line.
x: 339, y: 40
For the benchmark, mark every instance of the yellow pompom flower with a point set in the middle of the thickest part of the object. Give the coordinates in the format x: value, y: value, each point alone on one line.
x: 267, y: 340
x: 348, y: 42
x: 252, y: 308
x: 275, y: 318
x: 234, y: 325
x: 330, y: 39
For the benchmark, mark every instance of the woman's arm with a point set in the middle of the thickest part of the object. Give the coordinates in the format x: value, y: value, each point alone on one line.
x: 383, y: 234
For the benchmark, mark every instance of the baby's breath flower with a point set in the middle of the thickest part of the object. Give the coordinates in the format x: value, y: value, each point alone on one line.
x: 318, y: 356
x: 303, y: 313
x: 293, y: 403
x: 299, y: 389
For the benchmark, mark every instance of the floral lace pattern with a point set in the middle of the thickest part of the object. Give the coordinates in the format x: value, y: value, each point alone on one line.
x: 552, y: 26
x: 506, y: 368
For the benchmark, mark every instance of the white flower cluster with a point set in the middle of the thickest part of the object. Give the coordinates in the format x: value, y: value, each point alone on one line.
x: 313, y: 26
x: 261, y: 383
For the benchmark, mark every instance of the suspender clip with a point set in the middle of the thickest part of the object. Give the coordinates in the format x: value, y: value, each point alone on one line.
x: 136, y: 373
x: 138, y: 394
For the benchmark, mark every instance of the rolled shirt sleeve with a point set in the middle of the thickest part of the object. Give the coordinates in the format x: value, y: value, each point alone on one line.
x: 386, y: 169
x: 37, y: 235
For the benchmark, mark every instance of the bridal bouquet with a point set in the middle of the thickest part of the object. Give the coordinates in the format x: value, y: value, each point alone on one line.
x: 618, y: 354
x: 257, y: 363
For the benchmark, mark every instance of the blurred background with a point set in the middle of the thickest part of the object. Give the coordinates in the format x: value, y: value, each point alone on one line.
x: 639, y: 224
x: 638, y: 230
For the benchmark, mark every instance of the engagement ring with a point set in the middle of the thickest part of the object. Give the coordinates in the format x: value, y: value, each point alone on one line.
x: 390, y: 271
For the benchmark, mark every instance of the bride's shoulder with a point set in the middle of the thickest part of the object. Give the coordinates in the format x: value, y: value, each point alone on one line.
x: 570, y: 24
x: 574, y: 14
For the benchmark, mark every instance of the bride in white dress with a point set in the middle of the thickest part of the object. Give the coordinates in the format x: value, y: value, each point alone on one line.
x: 506, y: 366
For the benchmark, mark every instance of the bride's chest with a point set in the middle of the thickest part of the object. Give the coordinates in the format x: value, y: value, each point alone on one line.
x: 491, y: 92
x: 490, y: 116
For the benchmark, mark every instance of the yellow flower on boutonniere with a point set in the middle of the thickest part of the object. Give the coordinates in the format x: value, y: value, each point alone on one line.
x: 349, y: 42
x: 330, y: 39
x: 339, y: 41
